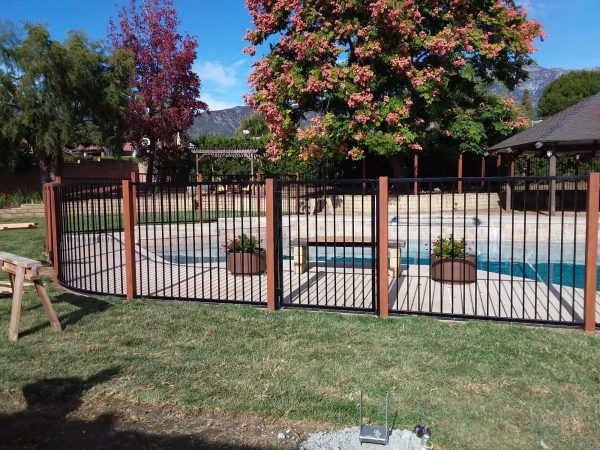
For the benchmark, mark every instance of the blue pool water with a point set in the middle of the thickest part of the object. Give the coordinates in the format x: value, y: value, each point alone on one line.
x: 544, y: 265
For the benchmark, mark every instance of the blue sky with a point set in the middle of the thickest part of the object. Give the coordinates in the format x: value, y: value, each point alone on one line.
x: 572, y: 26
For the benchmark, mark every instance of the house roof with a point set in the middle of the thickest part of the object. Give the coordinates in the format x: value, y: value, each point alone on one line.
x: 575, y: 129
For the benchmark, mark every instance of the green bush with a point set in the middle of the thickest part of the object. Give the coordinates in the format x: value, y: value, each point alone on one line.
x: 243, y: 244
x: 18, y: 198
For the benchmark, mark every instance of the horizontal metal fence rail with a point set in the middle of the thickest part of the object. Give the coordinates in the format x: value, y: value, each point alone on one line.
x: 328, y: 252
x: 525, y: 263
x: 181, y: 236
x: 90, y: 237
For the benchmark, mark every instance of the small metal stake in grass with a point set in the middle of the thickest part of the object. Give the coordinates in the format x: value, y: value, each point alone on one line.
x: 373, y: 434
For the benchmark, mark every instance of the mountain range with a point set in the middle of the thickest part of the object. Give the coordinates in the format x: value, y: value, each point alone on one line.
x: 227, y: 121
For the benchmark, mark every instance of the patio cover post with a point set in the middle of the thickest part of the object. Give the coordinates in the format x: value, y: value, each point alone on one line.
x: 271, y: 262
x: 591, y: 253
x: 199, y: 195
x: 383, y: 307
x: 258, y: 194
x: 297, y: 193
x: 134, y: 179
x: 129, y: 234
x: 552, y: 185
x: 460, y: 173
x: 416, y: 173
x: 509, y: 184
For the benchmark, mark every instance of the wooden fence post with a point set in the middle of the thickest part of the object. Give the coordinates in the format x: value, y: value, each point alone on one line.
x: 199, y: 196
x: 134, y: 179
x: 129, y: 234
x: 271, y: 261
x: 591, y: 253
x: 54, y: 230
x: 383, y: 247
x: 47, y: 221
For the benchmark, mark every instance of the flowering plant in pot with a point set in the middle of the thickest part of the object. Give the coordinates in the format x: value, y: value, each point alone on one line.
x: 452, y: 260
x: 245, y: 256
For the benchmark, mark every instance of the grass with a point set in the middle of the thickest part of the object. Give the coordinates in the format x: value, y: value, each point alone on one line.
x: 96, y: 221
x: 479, y: 384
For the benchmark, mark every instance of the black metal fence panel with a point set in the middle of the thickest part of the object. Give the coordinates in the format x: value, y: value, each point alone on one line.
x: 328, y: 253
x: 89, y: 220
x: 496, y: 251
x: 184, y: 235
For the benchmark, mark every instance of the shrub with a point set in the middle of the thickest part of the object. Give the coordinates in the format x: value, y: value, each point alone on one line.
x: 17, y: 198
x: 450, y: 247
x: 243, y: 244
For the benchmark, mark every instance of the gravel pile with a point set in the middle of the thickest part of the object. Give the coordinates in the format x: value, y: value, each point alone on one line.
x: 347, y: 439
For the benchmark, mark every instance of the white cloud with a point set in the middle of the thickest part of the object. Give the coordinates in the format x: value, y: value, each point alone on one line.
x: 216, y: 104
x: 218, y: 75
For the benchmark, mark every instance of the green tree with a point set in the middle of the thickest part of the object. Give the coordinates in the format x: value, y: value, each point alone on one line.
x: 62, y: 94
x: 255, y: 124
x: 527, y: 104
x: 567, y: 90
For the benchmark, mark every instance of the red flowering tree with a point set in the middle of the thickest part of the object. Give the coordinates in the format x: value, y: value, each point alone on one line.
x: 165, y: 88
x: 382, y: 75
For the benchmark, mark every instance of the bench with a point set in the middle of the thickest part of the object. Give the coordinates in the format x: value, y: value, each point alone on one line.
x: 301, y: 245
x: 20, y: 269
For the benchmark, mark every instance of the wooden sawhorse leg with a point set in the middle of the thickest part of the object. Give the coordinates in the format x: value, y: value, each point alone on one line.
x: 50, y: 313
x: 15, y: 312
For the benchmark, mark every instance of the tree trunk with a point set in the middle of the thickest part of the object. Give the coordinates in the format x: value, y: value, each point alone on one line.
x: 150, y: 168
x: 398, y: 166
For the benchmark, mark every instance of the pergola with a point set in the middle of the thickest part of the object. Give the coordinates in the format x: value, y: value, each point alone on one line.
x: 250, y: 153
x: 574, y: 131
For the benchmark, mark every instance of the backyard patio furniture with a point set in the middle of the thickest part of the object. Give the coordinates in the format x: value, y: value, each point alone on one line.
x: 301, y: 245
x: 20, y: 269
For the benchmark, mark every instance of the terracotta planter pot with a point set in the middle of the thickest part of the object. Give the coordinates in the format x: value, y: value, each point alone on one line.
x: 247, y: 263
x: 454, y: 270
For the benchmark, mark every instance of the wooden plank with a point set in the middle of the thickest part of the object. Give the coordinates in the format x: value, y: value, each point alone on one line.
x: 344, y: 241
x: 18, y: 226
x: 20, y: 261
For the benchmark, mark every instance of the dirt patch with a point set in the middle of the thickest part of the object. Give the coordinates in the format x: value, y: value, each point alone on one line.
x: 115, y: 423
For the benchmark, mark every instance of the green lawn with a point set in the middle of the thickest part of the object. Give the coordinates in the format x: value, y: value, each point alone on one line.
x: 479, y: 384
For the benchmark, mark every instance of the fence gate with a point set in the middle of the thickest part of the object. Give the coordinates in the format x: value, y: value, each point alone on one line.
x: 326, y: 244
